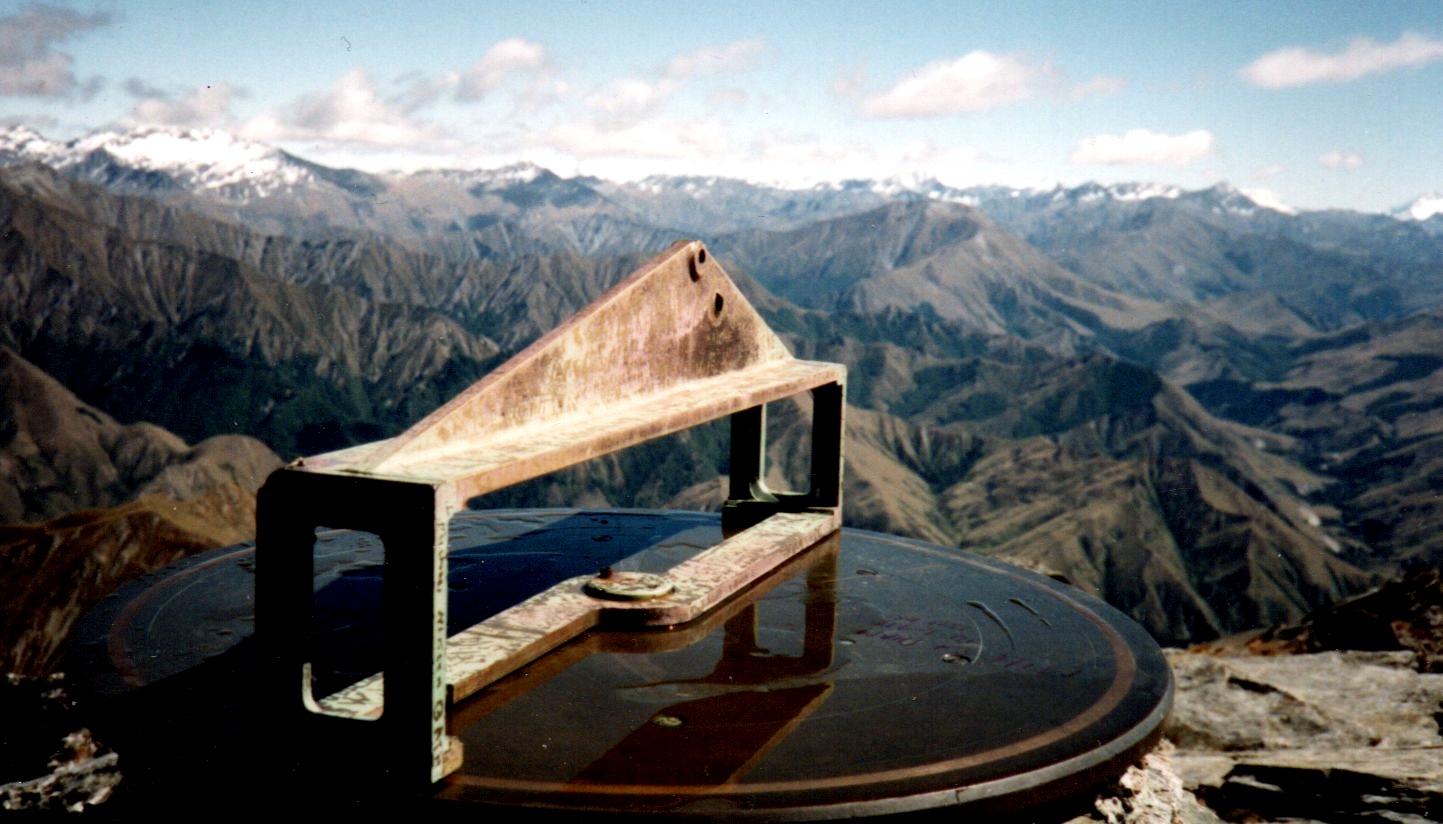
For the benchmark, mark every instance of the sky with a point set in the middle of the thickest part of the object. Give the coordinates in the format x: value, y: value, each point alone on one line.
x: 1314, y: 105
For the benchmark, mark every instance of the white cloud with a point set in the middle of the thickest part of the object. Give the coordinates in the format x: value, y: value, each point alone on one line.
x: 418, y: 90
x: 29, y: 63
x: 1144, y: 147
x: 1099, y: 86
x: 973, y: 82
x: 203, y: 106
x: 630, y: 98
x: 731, y: 58
x: 654, y: 137
x: 513, y: 56
x: 1344, y: 161
x: 353, y: 112
x: 1268, y: 172
x: 1298, y: 66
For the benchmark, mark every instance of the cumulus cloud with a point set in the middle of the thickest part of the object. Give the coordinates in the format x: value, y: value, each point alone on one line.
x: 732, y: 57
x: 974, y: 82
x: 1298, y: 66
x: 1343, y: 161
x: 1268, y: 172
x: 203, y: 106
x: 652, y: 137
x: 353, y: 112
x: 630, y: 98
x: 1144, y: 147
x: 418, y: 90
x: 30, y: 65
x: 1099, y: 86
x: 508, y: 58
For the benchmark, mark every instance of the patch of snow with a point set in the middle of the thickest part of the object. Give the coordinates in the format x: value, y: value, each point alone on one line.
x: 1310, y: 516
x: 1266, y: 199
x: 1143, y: 191
x: 520, y: 173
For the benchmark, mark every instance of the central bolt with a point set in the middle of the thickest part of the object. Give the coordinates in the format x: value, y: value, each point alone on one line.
x: 628, y: 586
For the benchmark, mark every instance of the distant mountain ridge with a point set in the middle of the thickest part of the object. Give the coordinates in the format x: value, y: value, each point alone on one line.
x: 228, y: 169
x: 1036, y: 375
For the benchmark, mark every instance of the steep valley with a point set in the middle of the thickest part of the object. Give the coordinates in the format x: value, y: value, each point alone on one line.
x: 1210, y: 453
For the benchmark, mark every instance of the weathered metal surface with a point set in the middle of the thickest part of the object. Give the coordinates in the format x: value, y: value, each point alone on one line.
x: 673, y: 323
x: 867, y: 675
x: 673, y: 346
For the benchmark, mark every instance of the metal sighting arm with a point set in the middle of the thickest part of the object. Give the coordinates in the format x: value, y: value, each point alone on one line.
x: 673, y: 346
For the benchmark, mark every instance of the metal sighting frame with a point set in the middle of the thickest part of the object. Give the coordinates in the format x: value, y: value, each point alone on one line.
x: 673, y: 346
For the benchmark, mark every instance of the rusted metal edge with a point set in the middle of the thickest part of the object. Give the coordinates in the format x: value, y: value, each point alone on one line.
x: 675, y: 320
x: 527, y: 452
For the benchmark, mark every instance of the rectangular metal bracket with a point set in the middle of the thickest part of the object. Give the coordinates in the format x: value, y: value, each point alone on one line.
x: 673, y: 346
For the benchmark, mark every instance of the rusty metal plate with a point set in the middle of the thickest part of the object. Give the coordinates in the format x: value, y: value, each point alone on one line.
x: 869, y: 675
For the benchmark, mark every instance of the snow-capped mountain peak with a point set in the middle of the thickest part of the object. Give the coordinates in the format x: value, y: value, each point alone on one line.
x: 1227, y: 199
x: 200, y: 158
x: 193, y: 159
x: 1267, y: 199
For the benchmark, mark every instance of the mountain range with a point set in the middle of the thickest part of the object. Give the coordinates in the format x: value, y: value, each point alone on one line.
x: 1213, y: 413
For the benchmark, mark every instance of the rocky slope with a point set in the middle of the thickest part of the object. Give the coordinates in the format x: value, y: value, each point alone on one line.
x: 87, y: 503
x: 61, y: 455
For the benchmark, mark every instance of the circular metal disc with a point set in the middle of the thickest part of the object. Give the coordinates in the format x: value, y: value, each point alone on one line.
x: 871, y: 675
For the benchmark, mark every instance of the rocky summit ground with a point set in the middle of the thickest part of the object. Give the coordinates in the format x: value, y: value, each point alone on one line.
x: 1290, y: 724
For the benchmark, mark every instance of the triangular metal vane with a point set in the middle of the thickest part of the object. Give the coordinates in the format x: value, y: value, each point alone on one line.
x: 673, y: 346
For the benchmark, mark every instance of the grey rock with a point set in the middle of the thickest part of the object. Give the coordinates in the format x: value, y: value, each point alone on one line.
x: 1328, y: 736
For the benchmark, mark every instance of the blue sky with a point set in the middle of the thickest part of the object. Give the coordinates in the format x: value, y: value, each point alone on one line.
x: 1317, y: 104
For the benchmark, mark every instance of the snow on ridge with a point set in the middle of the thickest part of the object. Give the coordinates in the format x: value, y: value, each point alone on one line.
x: 510, y: 175
x: 200, y: 158
x: 1143, y: 191
x: 1266, y: 199
x: 25, y: 141
x: 209, y: 159
x: 1423, y: 208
